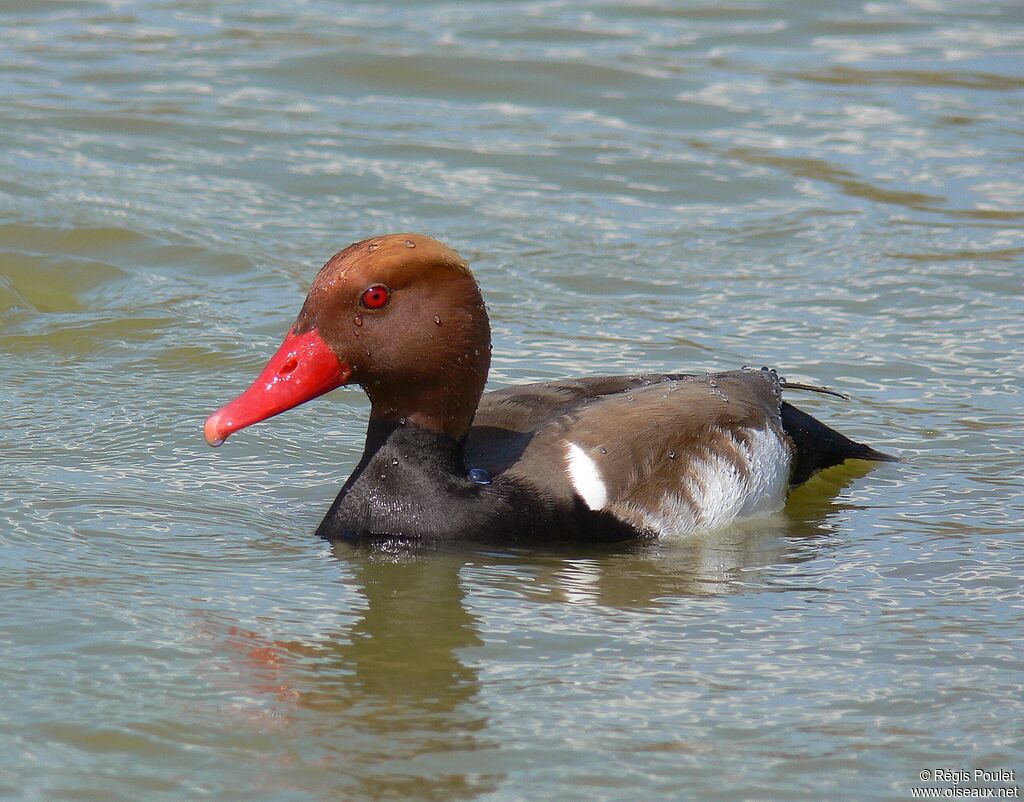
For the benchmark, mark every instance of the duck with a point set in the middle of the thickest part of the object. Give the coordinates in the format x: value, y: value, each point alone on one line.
x: 596, y: 459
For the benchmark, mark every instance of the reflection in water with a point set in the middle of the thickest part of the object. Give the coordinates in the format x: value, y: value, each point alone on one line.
x: 399, y: 680
x: 399, y: 673
x: 734, y: 559
x: 395, y: 687
x: 414, y: 608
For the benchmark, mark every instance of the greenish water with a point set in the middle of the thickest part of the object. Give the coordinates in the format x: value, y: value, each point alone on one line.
x: 834, y: 189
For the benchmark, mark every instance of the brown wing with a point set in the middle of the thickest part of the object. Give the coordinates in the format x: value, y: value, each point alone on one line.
x: 634, y: 426
x: 507, y: 420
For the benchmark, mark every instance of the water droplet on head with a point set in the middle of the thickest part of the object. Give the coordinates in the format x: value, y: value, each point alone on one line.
x: 358, y: 320
x: 713, y: 383
x: 373, y: 246
x: 671, y: 454
x: 437, y: 320
x: 479, y: 476
x: 394, y: 460
x: 401, y: 421
x: 603, y: 450
x: 410, y: 244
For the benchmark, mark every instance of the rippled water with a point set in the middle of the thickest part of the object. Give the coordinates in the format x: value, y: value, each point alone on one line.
x: 830, y: 188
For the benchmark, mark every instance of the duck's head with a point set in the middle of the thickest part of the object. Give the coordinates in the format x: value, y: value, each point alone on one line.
x: 402, y: 316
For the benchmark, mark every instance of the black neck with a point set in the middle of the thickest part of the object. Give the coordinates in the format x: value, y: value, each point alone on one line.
x: 401, y: 485
x: 416, y: 444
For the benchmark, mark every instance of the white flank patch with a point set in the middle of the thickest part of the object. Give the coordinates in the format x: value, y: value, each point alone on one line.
x: 721, y: 493
x: 585, y: 477
x: 770, y: 460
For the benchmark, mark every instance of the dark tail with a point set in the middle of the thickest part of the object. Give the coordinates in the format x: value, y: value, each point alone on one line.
x: 819, y: 446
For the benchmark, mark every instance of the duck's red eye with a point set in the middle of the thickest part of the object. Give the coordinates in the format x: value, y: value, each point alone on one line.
x: 375, y: 297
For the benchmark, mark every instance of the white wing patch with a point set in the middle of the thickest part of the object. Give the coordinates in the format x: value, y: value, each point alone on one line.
x: 585, y: 477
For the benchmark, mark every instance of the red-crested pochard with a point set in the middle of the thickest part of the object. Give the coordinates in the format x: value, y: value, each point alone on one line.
x: 602, y: 458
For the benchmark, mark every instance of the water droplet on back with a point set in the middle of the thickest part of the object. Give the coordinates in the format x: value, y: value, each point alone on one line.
x: 671, y: 454
x: 479, y: 476
x: 410, y: 244
x: 437, y: 320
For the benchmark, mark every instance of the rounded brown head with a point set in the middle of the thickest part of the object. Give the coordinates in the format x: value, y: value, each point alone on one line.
x: 402, y: 316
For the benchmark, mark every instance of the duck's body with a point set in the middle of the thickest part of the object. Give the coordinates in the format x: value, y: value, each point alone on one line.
x: 605, y: 458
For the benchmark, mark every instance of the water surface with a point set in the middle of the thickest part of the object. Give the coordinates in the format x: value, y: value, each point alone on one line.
x: 833, y: 189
